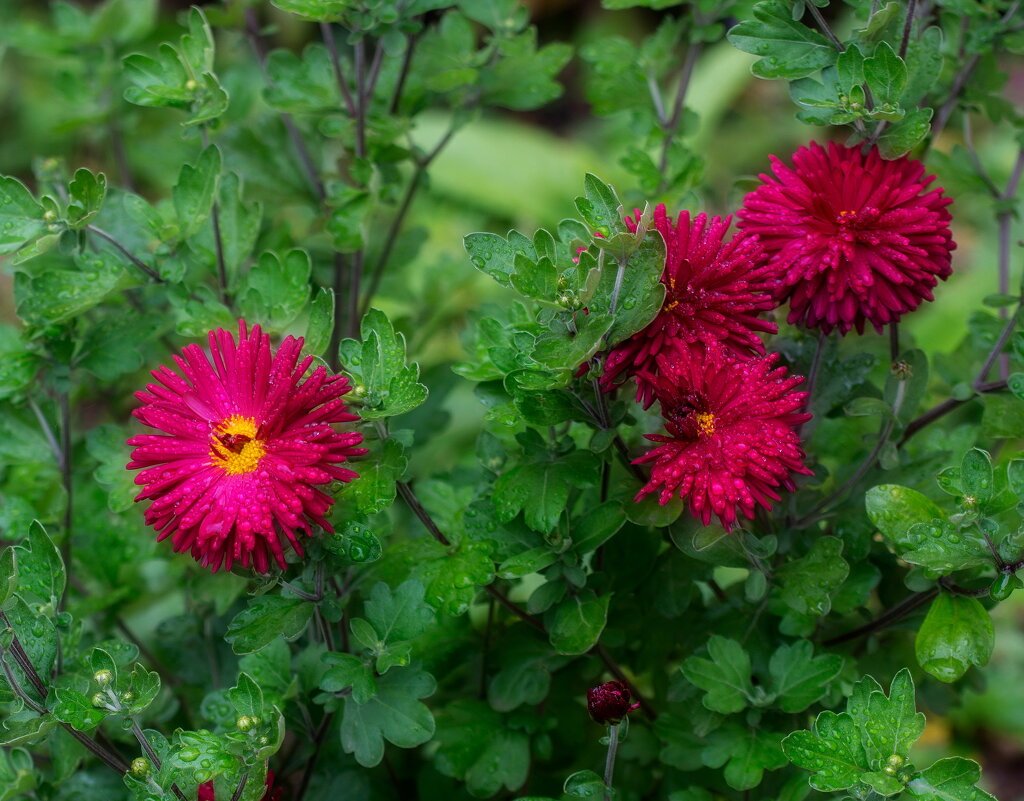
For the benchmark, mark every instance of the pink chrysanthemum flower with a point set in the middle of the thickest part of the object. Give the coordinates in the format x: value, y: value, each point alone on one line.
x: 246, y: 442
x: 855, y: 238
x: 715, y: 292
x: 730, y: 441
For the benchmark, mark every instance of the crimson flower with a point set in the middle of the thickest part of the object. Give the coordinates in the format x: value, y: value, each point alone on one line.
x: 715, y: 292
x: 273, y: 794
x: 730, y: 441
x: 855, y: 238
x: 609, y: 702
x: 246, y: 440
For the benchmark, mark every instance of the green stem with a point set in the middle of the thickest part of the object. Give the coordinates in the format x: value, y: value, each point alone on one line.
x: 609, y: 762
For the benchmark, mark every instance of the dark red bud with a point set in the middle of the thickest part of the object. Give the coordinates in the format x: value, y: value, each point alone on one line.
x: 608, y: 702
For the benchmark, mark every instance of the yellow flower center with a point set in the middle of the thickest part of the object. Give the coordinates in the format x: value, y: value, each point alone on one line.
x: 234, y: 447
x: 705, y: 423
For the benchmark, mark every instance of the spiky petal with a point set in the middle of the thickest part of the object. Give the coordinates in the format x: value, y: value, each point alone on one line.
x: 247, y: 439
x: 715, y: 291
x: 855, y: 238
x: 730, y: 441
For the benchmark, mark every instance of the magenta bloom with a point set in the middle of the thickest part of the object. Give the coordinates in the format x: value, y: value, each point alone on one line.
x: 730, y: 441
x: 855, y: 238
x: 715, y: 292
x: 246, y: 440
x: 609, y: 702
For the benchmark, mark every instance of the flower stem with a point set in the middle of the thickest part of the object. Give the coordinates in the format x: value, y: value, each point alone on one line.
x: 609, y: 762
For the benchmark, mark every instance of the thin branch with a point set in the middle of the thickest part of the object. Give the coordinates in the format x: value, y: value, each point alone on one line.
x: 516, y: 610
x: 888, y: 617
x: 960, y: 81
x: 332, y: 48
x: 410, y: 46
x: 47, y: 431
x: 396, y: 224
x: 66, y: 480
x: 825, y: 29
x: 672, y: 124
x: 318, y: 741
x: 944, y: 408
x: 240, y: 788
x: 149, y: 271
x: 253, y: 32
x: 908, y: 25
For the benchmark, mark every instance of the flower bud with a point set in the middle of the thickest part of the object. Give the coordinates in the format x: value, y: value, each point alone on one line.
x: 99, y: 699
x: 103, y: 677
x: 244, y: 723
x: 140, y: 767
x: 609, y: 702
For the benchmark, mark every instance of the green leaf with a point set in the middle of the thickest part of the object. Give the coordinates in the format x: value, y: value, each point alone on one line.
x: 976, y: 475
x: 956, y: 633
x: 239, y: 226
x: 641, y: 293
x: 889, y: 725
x: 746, y: 753
x: 903, y: 136
x: 942, y: 548
x: 197, y: 44
x: 540, y: 490
x: 41, y: 576
x: 950, y: 779
x: 106, y: 444
x: 276, y: 289
x: 833, y: 751
x: 321, y: 322
x: 523, y: 77
x: 808, y: 582
x: 76, y: 710
x: 393, y: 714
x: 725, y: 678
x: 55, y: 296
x: 375, y: 489
x: 886, y: 74
x: 348, y: 670
x: 86, y: 194
x: 600, y: 207
x: 575, y: 625
x: 305, y: 85
x: 264, y: 619
x: 160, y: 81
x: 790, y: 48
x: 799, y: 678
x: 894, y: 509
x: 316, y: 10
x: 496, y: 255
x: 145, y: 686
x: 8, y: 574
x: 598, y: 526
x: 21, y: 217
x: 584, y: 784
x: 247, y: 697
x: 355, y: 544
x: 527, y: 665
x: 477, y: 746
x: 924, y: 64
x: 400, y: 614
x: 196, y: 189
x: 386, y: 385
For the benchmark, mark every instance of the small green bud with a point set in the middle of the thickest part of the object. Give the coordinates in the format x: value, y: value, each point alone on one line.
x: 99, y: 699
x: 140, y: 767
x: 127, y: 697
x: 103, y: 677
x: 263, y: 740
x: 49, y: 215
x: 970, y: 500
x: 244, y: 723
x: 191, y: 85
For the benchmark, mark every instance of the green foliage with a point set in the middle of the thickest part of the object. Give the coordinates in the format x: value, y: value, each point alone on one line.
x: 310, y: 168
